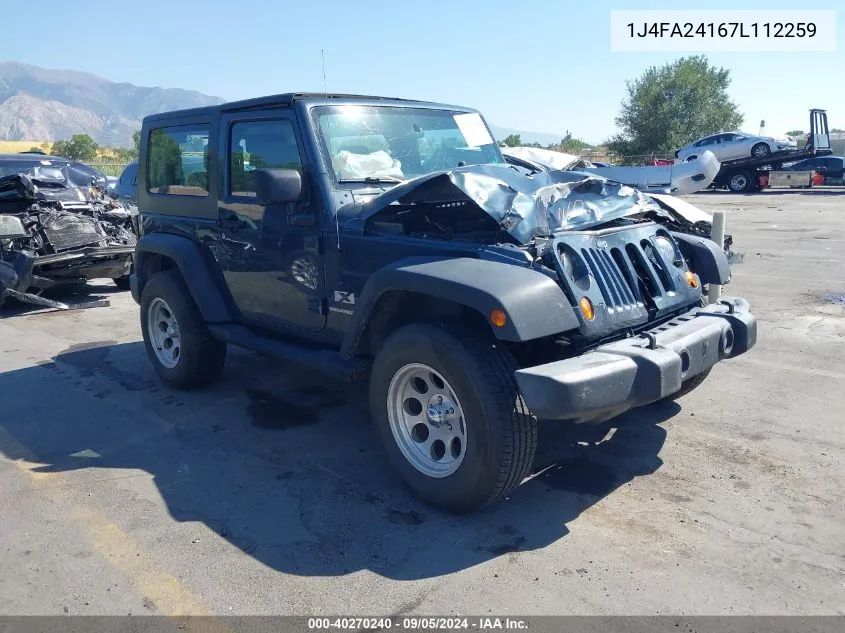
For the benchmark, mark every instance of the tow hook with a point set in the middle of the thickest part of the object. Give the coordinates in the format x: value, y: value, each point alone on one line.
x: 652, y: 339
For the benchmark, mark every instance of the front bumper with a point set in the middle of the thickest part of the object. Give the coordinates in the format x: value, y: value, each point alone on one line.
x: 639, y: 370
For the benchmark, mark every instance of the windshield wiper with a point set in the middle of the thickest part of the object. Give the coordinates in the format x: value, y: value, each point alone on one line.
x: 372, y: 180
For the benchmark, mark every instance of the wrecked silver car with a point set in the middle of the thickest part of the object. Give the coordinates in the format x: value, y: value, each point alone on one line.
x: 54, y: 233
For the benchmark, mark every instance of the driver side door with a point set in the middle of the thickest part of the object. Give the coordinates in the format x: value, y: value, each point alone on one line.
x: 271, y: 254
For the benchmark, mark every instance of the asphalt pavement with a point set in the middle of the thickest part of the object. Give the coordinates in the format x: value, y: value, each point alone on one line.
x: 268, y: 493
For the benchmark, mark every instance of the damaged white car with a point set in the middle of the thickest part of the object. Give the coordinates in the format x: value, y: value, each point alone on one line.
x: 679, y: 179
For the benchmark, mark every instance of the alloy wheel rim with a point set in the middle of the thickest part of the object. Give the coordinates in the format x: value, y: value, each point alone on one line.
x: 427, y: 420
x: 164, y: 333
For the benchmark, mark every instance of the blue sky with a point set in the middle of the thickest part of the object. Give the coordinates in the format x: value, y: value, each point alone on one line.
x: 539, y: 65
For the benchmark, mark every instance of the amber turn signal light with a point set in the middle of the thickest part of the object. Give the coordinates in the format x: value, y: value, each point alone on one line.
x: 498, y: 318
x: 587, y: 308
x: 691, y: 280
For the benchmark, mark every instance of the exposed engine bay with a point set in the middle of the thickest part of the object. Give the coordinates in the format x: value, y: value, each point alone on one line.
x: 491, y: 204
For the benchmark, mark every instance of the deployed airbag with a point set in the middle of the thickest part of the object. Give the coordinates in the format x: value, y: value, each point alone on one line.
x: 350, y: 166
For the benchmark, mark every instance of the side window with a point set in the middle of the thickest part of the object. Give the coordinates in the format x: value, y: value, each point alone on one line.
x: 257, y: 145
x: 177, y: 161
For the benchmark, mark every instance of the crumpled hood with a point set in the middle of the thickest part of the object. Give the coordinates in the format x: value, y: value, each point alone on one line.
x: 24, y: 189
x: 524, y: 206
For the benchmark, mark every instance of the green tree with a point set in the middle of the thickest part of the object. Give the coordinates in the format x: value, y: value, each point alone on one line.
x: 79, y: 147
x: 124, y: 154
x: 671, y: 105
x: 512, y: 140
x: 796, y: 133
x: 136, y: 143
x: 574, y: 145
x: 59, y: 148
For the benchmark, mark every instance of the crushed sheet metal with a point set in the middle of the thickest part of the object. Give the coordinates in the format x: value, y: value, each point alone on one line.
x: 66, y: 235
x: 38, y: 300
x: 524, y: 206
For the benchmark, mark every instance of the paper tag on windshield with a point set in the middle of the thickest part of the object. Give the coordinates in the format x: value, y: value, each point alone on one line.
x: 45, y: 162
x: 473, y: 128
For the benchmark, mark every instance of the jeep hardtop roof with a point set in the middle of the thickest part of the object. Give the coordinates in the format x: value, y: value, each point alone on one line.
x: 289, y: 98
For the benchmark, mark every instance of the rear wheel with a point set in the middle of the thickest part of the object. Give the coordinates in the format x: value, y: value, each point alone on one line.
x: 450, y: 415
x: 760, y: 150
x: 178, y: 343
x: 741, y: 182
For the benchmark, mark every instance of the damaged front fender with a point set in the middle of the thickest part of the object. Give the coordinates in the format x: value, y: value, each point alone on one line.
x: 535, y: 304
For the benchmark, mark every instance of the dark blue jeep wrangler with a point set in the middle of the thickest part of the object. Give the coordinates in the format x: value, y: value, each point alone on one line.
x: 388, y: 240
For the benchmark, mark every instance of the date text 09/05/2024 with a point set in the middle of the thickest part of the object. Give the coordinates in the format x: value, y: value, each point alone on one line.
x: 417, y: 623
x: 723, y: 29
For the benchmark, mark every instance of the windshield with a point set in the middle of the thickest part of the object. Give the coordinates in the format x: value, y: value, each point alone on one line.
x: 392, y: 144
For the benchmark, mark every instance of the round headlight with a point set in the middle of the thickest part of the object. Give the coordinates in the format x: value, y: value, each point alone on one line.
x: 667, y: 250
x: 575, y: 268
x: 568, y: 264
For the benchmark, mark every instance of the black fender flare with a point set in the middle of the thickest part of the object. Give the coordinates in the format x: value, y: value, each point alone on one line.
x: 189, y: 259
x: 535, y: 304
x: 709, y: 260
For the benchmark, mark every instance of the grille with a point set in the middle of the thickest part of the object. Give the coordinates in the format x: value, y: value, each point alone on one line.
x: 629, y: 277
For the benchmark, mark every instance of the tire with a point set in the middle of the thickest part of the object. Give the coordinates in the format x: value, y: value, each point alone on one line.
x: 760, y: 150
x: 741, y: 182
x: 122, y: 283
x: 497, y: 439
x: 197, y: 358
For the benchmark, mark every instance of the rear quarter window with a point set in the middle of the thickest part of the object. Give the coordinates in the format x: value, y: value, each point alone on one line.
x: 177, y: 161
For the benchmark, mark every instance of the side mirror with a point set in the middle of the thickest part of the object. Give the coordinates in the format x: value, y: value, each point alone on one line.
x: 278, y: 186
x: 11, y: 227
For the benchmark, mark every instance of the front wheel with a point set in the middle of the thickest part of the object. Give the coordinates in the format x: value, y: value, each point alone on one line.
x: 761, y: 150
x: 451, y: 418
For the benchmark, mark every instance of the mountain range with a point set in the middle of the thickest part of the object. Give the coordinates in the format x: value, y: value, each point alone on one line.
x: 39, y: 104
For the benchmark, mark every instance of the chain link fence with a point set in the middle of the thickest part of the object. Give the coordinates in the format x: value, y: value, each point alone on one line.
x: 109, y: 169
